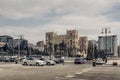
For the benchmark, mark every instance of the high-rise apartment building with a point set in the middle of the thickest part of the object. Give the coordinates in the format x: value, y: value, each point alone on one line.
x: 108, y: 44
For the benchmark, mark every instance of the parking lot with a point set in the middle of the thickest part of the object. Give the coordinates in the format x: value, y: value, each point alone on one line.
x: 11, y: 71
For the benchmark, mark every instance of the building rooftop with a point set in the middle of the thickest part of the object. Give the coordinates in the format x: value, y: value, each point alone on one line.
x: 6, y: 36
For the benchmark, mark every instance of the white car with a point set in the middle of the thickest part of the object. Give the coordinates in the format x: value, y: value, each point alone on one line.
x: 33, y: 61
x: 99, y: 61
x: 48, y: 61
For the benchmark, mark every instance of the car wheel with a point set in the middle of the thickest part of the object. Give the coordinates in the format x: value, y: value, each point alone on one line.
x: 37, y: 64
x: 25, y: 63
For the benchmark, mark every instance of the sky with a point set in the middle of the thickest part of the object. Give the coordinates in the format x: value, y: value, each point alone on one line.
x: 33, y: 18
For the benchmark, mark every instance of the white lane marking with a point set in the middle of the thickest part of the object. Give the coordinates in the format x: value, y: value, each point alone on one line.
x: 79, y: 73
x: 69, y: 76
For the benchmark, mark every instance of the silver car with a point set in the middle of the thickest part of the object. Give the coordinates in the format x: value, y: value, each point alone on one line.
x: 33, y: 61
x: 99, y: 61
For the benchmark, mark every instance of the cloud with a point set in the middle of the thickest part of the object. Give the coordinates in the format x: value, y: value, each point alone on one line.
x: 15, y: 9
x: 33, y: 18
x: 113, y: 13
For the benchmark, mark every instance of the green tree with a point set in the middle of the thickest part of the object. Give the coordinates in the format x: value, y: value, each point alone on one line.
x: 62, y: 46
x: 5, y: 47
x: 55, y: 48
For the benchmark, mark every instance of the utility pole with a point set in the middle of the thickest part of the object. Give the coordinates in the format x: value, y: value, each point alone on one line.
x: 93, y: 50
x: 50, y: 49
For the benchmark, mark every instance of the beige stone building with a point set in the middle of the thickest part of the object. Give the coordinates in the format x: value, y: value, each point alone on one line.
x: 70, y: 39
x: 83, y: 44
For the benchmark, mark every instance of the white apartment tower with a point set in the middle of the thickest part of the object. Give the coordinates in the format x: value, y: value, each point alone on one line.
x: 108, y: 43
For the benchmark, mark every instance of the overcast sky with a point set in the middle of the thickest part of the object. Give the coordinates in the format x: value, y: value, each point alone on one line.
x: 32, y: 18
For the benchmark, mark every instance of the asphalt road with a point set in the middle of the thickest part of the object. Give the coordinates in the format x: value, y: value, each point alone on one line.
x: 19, y: 72
x: 100, y: 72
x: 69, y: 71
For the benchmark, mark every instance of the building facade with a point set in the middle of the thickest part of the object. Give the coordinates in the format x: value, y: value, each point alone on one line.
x: 40, y: 46
x: 7, y: 39
x: 70, y: 39
x: 83, y: 44
x: 20, y: 43
x: 108, y: 44
x: 119, y: 50
x: 92, y: 49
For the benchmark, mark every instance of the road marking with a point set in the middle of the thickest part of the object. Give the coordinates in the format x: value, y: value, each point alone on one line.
x: 83, y: 71
x: 69, y: 76
x: 86, y: 70
x: 79, y: 73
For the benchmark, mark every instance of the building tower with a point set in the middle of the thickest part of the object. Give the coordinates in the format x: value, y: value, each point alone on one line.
x: 72, y: 42
x: 50, y: 42
x: 111, y: 45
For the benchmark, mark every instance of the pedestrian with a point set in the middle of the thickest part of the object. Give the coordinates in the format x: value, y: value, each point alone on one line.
x: 63, y: 62
x: 16, y: 60
x: 106, y: 60
x: 94, y: 62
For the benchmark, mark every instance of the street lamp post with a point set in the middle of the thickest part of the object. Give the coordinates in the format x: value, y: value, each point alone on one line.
x: 93, y: 49
x: 50, y: 49
x: 106, y: 31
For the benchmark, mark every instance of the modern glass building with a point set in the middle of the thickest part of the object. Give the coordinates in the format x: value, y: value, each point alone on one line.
x: 108, y: 44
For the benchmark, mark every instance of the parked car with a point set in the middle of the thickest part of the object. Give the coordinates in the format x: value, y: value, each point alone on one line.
x: 1, y: 58
x: 7, y: 59
x: 79, y: 60
x: 99, y: 61
x: 33, y: 61
x: 48, y: 61
x: 58, y: 59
